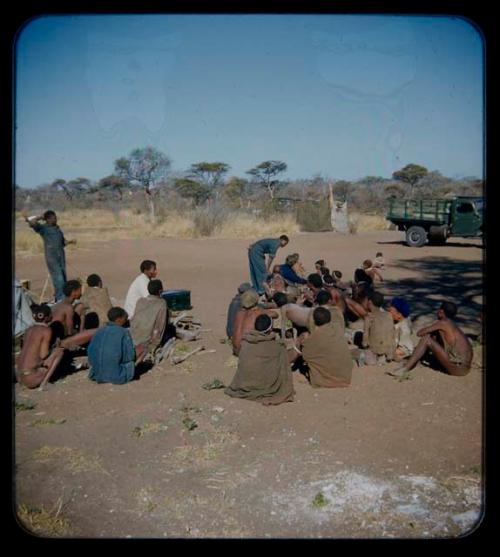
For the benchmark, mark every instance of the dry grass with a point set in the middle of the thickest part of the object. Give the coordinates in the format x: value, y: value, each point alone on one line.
x: 28, y: 242
x: 73, y: 459
x: 101, y: 225
x: 45, y: 522
x: 359, y: 222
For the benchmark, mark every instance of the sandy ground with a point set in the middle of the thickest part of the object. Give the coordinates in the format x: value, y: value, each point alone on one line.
x: 379, y: 459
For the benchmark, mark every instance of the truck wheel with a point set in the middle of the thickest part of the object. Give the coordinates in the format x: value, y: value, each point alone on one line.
x: 438, y: 235
x: 416, y: 236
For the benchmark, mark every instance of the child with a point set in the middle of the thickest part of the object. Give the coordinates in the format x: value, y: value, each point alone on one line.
x: 400, y: 311
x: 37, y: 362
x: 442, y: 344
x: 379, y: 262
x: 371, y: 271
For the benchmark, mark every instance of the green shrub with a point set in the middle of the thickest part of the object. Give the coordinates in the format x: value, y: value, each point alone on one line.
x: 313, y: 216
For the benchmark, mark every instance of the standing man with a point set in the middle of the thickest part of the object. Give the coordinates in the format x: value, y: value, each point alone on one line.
x: 139, y: 287
x: 54, y: 243
x: 257, y: 259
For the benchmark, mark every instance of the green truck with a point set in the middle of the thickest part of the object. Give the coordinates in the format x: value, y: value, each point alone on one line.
x: 435, y: 220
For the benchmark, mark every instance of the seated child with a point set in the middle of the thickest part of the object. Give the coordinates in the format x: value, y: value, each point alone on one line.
x: 379, y: 262
x: 400, y: 311
x: 371, y: 271
x: 96, y: 303
x: 37, y: 361
x: 111, y: 351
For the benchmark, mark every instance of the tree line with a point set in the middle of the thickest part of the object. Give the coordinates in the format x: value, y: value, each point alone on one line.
x: 147, y: 172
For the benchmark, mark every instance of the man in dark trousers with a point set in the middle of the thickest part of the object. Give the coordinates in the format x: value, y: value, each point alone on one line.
x: 54, y: 243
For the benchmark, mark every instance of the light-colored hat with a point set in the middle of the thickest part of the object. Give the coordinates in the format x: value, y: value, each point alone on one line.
x: 249, y: 298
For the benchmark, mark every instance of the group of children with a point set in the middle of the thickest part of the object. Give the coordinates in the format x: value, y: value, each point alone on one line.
x: 323, y: 326
x: 115, y: 339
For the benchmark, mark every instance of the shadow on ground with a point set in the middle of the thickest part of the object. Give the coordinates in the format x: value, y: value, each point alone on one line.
x: 441, y: 278
x: 450, y: 244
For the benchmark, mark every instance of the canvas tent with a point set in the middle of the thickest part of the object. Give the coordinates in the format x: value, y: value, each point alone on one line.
x: 22, y: 309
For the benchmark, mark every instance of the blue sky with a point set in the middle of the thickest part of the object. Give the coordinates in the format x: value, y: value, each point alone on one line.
x: 341, y: 96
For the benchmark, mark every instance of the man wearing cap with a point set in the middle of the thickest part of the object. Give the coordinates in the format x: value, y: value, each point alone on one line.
x: 245, y: 318
x: 234, y: 307
x: 257, y: 259
x: 400, y: 311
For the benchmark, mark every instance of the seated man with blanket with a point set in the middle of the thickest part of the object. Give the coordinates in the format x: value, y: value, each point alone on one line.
x: 149, y: 323
x: 324, y: 299
x: 234, y: 307
x: 326, y: 353
x: 96, y: 303
x: 263, y: 372
x: 246, y: 316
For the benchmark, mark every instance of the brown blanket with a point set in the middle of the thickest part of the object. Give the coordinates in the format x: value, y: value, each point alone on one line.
x: 97, y: 299
x: 149, y: 321
x: 381, y: 333
x: 326, y: 352
x: 337, y: 321
x: 263, y: 372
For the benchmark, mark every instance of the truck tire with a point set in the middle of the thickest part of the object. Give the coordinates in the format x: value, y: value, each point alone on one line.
x: 416, y: 236
x: 438, y: 235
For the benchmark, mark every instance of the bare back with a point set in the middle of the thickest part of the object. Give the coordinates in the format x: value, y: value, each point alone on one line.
x: 35, y: 346
x: 63, y: 312
x: 245, y: 322
x: 455, y: 340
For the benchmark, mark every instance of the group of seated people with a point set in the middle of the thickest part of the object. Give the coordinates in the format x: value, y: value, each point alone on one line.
x: 115, y: 339
x: 320, y: 328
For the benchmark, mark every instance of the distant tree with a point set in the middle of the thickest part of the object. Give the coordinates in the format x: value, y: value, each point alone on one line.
x: 372, y: 180
x: 192, y: 189
x: 210, y: 173
x: 410, y: 174
x: 394, y: 190
x: 235, y: 189
x: 59, y: 184
x: 113, y: 183
x: 265, y: 173
x: 144, y: 167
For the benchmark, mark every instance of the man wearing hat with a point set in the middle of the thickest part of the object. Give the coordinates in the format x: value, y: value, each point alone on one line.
x: 400, y: 311
x: 245, y: 318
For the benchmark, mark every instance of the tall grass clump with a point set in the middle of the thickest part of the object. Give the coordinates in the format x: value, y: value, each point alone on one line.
x: 246, y: 226
x: 28, y: 241
x: 208, y: 220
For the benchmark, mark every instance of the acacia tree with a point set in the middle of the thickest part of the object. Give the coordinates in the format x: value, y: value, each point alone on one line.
x: 235, y: 189
x: 113, y: 183
x: 410, y: 174
x: 144, y: 167
x: 210, y: 173
x: 192, y: 189
x: 265, y: 172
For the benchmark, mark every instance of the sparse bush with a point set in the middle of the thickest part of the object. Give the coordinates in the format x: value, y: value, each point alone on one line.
x: 208, y: 219
x: 314, y: 217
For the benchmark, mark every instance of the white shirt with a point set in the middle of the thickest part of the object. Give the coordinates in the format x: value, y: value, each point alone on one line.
x: 138, y: 289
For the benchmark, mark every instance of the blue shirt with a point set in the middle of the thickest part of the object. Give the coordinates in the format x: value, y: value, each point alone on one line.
x: 290, y: 275
x: 267, y: 246
x: 111, y: 355
x: 53, y: 238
